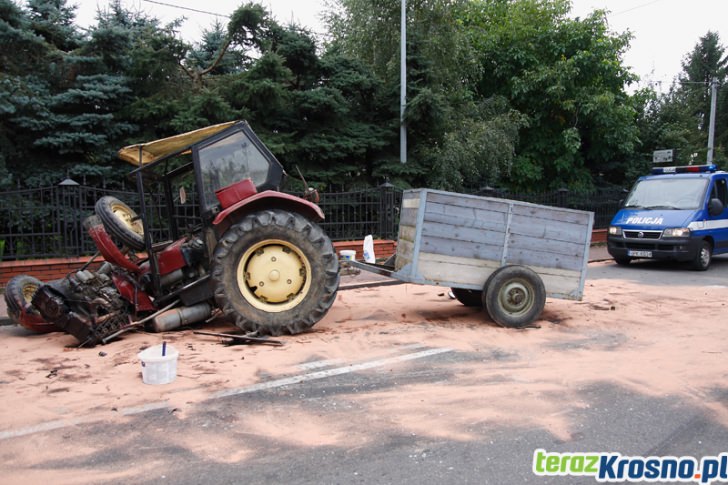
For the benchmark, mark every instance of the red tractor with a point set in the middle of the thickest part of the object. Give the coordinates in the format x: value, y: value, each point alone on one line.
x: 225, y: 241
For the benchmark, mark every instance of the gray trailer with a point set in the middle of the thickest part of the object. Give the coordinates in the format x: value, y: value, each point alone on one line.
x: 504, y: 255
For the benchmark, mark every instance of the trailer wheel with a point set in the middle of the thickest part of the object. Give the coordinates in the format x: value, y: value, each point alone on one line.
x: 121, y: 221
x: 514, y: 296
x: 275, y: 272
x: 473, y: 298
x: 18, y: 298
x: 703, y: 258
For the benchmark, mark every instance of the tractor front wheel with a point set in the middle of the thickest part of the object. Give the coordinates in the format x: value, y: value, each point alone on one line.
x: 275, y: 272
x: 18, y: 298
x: 121, y: 221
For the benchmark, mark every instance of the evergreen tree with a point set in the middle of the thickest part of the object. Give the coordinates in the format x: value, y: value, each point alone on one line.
x: 54, y: 21
x: 204, y: 53
x: 66, y: 112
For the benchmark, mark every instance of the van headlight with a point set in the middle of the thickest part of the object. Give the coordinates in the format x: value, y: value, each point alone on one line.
x: 676, y: 232
x: 615, y: 231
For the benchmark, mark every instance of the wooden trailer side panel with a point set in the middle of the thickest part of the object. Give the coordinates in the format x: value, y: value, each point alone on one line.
x: 459, y: 240
x: 408, y: 225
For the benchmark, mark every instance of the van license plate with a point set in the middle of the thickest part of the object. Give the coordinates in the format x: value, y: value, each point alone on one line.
x: 639, y: 254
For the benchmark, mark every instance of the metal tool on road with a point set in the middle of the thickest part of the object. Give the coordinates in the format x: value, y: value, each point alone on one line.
x: 242, y: 339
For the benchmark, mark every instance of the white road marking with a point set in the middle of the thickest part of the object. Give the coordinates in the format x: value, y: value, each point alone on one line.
x: 413, y: 346
x: 152, y: 406
x: 130, y: 411
x: 40, y: 428
x: 319, y: 364
x: 327, y: 373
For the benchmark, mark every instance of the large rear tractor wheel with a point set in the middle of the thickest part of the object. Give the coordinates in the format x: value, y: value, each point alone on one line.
x: 514, y: 296
x: 275, y: 272
x: 18, y: 296
x: 121, y: 222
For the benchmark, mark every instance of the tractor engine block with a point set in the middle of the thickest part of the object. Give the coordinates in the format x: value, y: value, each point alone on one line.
x: 85, y: 304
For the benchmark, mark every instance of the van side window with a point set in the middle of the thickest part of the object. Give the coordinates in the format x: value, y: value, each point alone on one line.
x: 720, y: 191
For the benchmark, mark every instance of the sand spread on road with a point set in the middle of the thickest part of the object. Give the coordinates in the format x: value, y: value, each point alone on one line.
x: 666, y: 341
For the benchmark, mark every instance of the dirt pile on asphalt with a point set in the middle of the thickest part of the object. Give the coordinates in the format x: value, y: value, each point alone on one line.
x: 656, y: 341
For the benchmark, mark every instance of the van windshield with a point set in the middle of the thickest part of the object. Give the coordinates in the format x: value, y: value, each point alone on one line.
x: 672, y: 193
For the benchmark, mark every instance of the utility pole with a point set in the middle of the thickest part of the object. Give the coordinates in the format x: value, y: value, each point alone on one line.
x: 403, y: 85
x: 711, y: 128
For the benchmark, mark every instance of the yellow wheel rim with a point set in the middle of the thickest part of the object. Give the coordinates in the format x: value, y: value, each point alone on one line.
x: 128, y: 217
x: 29, y: 291
x: 274, y: 275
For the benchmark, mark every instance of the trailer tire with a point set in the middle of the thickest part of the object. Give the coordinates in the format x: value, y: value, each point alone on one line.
x: 18, y: 298
x: 121, y: 222
x: 471, y: 298
x: 514, y: 296
x: 274, y: 273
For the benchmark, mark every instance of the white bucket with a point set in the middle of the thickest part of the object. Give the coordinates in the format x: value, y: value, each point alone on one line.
x: 158, y: 368
x: 348, y: 254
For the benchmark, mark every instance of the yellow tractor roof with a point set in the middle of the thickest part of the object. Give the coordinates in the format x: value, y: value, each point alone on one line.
x: 146, y: 153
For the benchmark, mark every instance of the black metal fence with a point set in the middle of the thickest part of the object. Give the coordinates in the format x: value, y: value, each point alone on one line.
x: 47, y: 222
x: 604, y: 203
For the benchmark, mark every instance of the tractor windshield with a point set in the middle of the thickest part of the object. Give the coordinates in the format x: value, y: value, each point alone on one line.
x: 230, y: 160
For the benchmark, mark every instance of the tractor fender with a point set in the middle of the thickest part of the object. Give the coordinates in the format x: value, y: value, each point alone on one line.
x: 269, y: 199
x: 107, y: 247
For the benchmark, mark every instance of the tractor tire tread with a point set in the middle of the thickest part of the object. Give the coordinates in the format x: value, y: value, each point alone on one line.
x: 298, y: 319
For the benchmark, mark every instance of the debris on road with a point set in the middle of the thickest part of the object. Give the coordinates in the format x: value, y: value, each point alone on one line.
x: 242, y: 339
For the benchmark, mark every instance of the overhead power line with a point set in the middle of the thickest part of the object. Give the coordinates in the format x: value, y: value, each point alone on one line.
x: 635, y: 7
x: 180, y: 7
x: 703, y: 83
x: 188, y: 8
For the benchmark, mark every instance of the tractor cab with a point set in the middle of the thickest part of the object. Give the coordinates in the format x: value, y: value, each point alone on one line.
x: 213, y: 159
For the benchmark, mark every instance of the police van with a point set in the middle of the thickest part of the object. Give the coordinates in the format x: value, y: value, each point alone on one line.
x: 676, y: 213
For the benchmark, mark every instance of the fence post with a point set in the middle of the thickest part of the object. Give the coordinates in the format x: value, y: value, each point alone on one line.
x: 386, y: 210
x: 562, y: 194
x: 69, y: 210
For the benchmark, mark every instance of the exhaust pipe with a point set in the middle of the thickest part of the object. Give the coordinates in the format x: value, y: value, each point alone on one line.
x: 171, y: 278
x: 177, y: 317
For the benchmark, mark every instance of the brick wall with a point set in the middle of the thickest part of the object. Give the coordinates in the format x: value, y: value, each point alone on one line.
x: 53, y: 269
x: 382, y: 248
x: 56, y: 268
x: 599, y: 236
x: 43, y: 269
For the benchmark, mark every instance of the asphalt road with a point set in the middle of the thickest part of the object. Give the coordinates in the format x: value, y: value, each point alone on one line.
x: 615, y: 420
x: 612, y: 418
x: 665, y: 273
